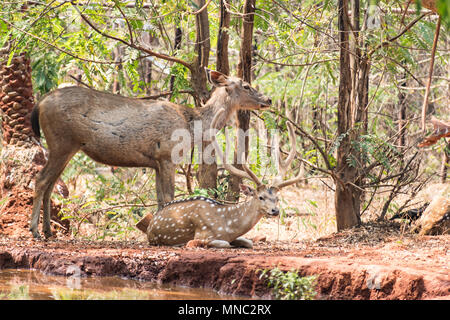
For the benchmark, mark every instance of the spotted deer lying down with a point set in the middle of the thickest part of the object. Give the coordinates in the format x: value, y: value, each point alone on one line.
x: 212, y: 223
x: 215, y: 223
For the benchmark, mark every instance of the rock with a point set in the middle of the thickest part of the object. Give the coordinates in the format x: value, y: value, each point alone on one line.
x: 260, y: 238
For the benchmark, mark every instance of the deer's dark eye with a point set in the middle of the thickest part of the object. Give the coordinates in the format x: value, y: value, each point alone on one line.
x: 261, y: 198
x: 246, y: 87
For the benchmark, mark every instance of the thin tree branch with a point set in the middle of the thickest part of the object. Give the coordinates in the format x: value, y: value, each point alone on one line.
x: 130, y: 31
x: 293, y: 65
x: 165, y: 94
x: 56, y: 47
x: 405, y: 69
x: 132, y: 45
x: 388, y: 41
x: 201, y: 9
x: 430, y: 75
x: 83, y: 4
x: 80, y: 82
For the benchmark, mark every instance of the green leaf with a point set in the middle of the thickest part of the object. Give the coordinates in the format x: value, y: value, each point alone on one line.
x: 11, y: 55
x: 3, y: 26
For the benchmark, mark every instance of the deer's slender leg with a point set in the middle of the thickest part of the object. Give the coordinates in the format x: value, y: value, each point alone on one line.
x: 242, y: 242
x: 219, y: 244
x: 168, y: 180
x: 152, y: 238
x: 45, y: 181
x: 159, y: 188
x: 38, y: 195
x: 165, y: 182
x: 46, y: 228
x: 202, y: 236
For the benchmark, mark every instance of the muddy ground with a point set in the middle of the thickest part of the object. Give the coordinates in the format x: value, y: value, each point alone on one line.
x: 374, y: 261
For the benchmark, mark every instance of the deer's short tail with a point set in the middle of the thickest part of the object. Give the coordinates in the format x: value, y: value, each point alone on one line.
x: 144, y: 222
x: 35, y: 121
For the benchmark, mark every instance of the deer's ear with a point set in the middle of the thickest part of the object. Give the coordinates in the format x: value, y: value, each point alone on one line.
x: 216, y: 78
x: 248, y: 191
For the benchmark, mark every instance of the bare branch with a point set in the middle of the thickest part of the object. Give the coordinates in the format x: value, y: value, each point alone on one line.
x: 293, y: 65
x: 409, y: 26
x: 130, y: 31
x: 132, y: 45
x: 165, y: 94
x: 201, y: 9
x: 430, y: 74
x: 56, y: 47
x: 80, y: 82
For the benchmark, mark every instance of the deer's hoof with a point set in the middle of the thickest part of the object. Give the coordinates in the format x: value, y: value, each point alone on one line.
x: 36, y: 235
x: 48, y: 234
x: 242, y: 242
x: 219, y: 244
x: 196, y: 243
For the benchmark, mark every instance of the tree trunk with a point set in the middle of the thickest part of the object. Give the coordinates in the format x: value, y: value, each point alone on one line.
x: 350, y: 113
x: 244, y: 67
x: 207, y: 173
x: 202, y: 48
x: 21, y: 157
x: 244, y: 71
x: 222, y: 62
x: 176, y: 46
x: 145, y: 64
x: 117, y: 57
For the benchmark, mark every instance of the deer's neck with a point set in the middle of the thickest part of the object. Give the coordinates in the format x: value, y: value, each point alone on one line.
x: 220, y: 99
x: 238, y: 219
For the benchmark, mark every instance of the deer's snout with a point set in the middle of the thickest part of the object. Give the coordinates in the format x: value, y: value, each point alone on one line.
x: 267, y: 102
x: 275, y: 211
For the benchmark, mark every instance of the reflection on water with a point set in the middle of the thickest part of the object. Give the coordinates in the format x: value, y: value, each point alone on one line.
x: 33, y: 284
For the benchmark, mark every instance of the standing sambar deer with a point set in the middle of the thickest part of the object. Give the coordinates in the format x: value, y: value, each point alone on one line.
x: 125, y: 132
x: 214, y: 224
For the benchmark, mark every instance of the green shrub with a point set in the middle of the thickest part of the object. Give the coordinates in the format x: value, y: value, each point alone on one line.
x: 289, y: 285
